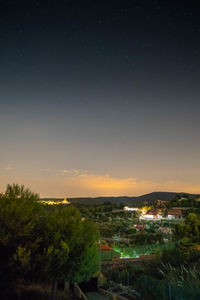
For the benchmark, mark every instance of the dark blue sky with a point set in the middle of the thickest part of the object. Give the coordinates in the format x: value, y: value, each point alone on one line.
x: 91, y: 88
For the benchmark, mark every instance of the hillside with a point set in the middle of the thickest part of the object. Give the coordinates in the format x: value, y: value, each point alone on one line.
x: 147, y: 198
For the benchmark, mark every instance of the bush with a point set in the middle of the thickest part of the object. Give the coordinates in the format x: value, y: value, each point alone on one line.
x: 33, y: 292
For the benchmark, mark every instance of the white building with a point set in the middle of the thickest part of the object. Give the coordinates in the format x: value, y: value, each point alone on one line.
x: 126, y: 208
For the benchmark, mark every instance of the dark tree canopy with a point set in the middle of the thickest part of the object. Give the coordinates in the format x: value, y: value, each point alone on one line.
x: 41, y: 244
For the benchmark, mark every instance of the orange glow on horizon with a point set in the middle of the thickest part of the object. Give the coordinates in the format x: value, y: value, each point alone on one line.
x: 93, y: 185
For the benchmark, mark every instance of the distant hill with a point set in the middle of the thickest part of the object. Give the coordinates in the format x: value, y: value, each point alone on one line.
x: 147, y: 198
x: 162, y: 196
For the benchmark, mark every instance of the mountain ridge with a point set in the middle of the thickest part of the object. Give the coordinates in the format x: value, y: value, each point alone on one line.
x: 127, y: 200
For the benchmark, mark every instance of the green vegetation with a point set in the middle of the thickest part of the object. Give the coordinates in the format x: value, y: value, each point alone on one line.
x: 43, y: 245
x: 133, y: 252
x: 174, y: 274
x: 187, y: 238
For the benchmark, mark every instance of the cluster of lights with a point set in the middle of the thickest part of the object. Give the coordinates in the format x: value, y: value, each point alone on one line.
x: 49, y: 202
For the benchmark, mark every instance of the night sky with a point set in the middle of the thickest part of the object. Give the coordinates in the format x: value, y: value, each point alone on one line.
x: 100, y: 97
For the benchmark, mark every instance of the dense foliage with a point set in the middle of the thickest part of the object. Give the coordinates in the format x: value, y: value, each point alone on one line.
x: 38, y: 244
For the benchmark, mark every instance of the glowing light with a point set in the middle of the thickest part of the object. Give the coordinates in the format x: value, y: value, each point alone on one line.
x: 50, y: 202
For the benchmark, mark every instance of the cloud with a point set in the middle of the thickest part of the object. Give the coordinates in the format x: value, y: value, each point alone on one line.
x: 72, y: 172
x: 81, y: 183
x: 8, y: 167
x: 105, y: 182
x: 107, y: 185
